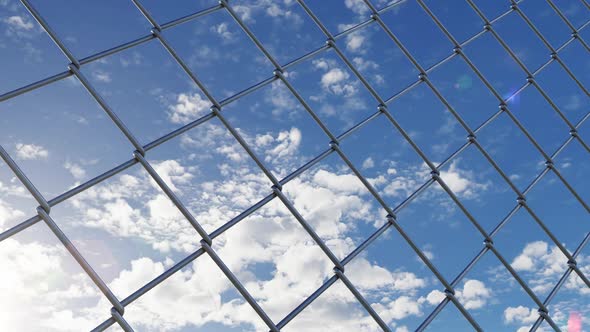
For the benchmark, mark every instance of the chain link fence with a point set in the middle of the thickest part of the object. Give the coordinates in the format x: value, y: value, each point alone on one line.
x: 116, y: 316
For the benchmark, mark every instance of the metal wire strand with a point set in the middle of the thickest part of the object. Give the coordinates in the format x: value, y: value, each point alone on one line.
x: 205, y: 240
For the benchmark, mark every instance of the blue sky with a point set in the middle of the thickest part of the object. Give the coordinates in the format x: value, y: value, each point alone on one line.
x: 130, y: 232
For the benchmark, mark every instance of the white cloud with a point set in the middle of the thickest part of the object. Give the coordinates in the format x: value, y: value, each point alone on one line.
x: 194, y: 296
x: 264, y: 140
x: 531, y: 254
x: 275, y: 10
x: 131, y: 206
x: 135, y: 59
x: 222, y: 30
x: 474, y: 294
x: 400, y: 186
x: 357, y: 6
x: 543, y: 264
x: 281, y: 99
x: 335, y: 81
x: 287, y: 144
x: 188, y: 108
x: 354, y: 42
x: 75, y: 169
x: 435, y: 297
x: 190, y: 297
x: 270, y: 240
x: 520, y: 314
x: 406, y: 281
x: 321, y: 64
x: 244, y: 12
x: 327, y: 208
x: 334, y: 76
x: 14, y: 189
x: 367, y: 276
x: 233, y: 151
x: 30, y: 151
x: 574, y: 103
x: 462, y: 182
x: 9, y: 214
x: 429, y: 254
x: 37, y: 289
x: 19, y: 28
x: 102, y: 76
x: 454, y: 180
x: 368, y: 163
x: 399, y: 308
x: 19, y: 22
x: 330, y: 205
x: 347, y: 183
x: 173, y: 173
x: 364, y: 64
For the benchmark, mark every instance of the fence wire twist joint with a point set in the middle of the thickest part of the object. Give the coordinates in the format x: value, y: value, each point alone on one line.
x: 117, y: 311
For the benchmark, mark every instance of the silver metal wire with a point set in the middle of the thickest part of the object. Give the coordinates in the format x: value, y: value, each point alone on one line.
x: 457, y: 50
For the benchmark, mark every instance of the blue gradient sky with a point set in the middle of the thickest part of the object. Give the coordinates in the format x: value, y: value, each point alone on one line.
x: 130, y: 233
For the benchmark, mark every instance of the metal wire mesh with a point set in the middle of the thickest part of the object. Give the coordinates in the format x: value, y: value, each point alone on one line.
x: 158, y: 32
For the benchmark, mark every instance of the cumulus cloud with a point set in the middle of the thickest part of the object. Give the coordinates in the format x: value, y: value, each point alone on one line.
x: 173, y: 173
x: 14, y: 188
x: 287, y: 143
x: 264, y: 140
x: 133, y: 206
x: 520, y: 315
x: 102, y: 76
x: 135, y: 59
x: 334, y: 76
x: 277, y: 10
x: 402, y: 182
x: 356, y: 41
x: 462, y: 182
x: 435, y: 297
x: 335, y: 81
x: 128, y: 206
x: 281, y: 99
x: 399, y: 308
x: 9, y: 214
x: 529, y: 256
x: 364, y: 64
x: 198, y: 295
x: 367, y: 276
x: 543, y: 264
x: 31, y: 151
x: 368, y: 163
x: 357, y: 6
x: 38, y: 290
x: 19, y: 27
x: 188, y: 107
x: 269, y: 251
x: 474, y: 294
x: 222, y: 30
x: 19, y: 22
x: 271, y: 8
x: 347, y: 183
x: 75, y: 169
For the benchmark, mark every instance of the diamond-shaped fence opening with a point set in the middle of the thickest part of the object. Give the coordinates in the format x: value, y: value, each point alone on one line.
x: 510, y: 97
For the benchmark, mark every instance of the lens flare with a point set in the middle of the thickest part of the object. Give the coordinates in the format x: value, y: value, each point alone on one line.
x: 464, y: 82
x: 574, y: 324
x: 512, y: 98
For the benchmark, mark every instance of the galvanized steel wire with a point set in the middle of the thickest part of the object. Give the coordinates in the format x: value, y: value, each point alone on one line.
x: 158, y: 31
